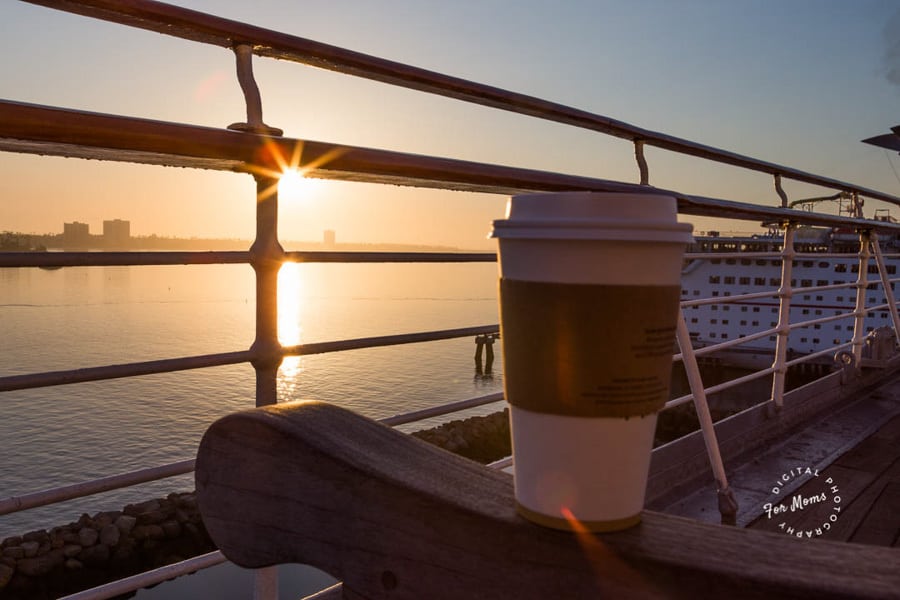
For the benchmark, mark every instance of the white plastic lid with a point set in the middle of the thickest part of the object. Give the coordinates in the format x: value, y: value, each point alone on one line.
x: 593, y: 216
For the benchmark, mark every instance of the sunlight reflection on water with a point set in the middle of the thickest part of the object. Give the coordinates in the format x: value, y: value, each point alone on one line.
x: 76, y: 317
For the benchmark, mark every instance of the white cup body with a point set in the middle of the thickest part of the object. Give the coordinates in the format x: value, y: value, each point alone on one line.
x: 584, y: 248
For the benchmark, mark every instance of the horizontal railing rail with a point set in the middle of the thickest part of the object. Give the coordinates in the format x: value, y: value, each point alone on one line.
x: 138, y: 258
x: 46, y: 130
x: 209, y: 29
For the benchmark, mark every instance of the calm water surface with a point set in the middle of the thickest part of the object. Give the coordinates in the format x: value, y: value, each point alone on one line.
x: 78, y: 317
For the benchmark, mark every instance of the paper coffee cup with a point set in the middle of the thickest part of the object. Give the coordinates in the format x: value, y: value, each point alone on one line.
x: 590, y: 285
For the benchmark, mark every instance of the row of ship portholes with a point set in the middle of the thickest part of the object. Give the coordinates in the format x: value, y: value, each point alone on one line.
x: 839, y: 267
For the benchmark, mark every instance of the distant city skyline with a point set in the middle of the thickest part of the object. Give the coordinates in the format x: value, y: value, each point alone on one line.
x: 798, y: 83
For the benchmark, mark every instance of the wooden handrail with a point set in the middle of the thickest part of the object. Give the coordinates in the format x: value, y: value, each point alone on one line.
x: 205, y: 28
x: 394, y: 517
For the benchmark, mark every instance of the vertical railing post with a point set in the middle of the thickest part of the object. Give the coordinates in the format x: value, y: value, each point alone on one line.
x: 886, y: 283
x: 862, y: 282
x: 783, y: 331
x: 266, y: 258
x: 728, y: 505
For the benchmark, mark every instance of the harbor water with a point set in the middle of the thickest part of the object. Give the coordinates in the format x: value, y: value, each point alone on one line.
x: 79, y: 317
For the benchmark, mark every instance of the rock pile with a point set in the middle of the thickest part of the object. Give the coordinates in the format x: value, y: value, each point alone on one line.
x: 483, y: 439
x: 100, y: 548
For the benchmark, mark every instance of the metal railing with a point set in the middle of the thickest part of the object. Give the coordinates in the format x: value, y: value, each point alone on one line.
x: 255, y: 148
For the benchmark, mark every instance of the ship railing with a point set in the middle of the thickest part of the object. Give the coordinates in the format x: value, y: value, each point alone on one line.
x: 62, y: 132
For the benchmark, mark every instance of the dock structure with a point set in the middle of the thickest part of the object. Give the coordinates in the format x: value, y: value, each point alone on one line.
x: 395, y: 518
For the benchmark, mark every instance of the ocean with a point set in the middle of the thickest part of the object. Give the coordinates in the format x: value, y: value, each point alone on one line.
x: 79, y: 316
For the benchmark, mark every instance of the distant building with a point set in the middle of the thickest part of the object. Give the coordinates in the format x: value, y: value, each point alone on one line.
x: 116, y: 232
x: 328, y: 238
x: 76, y: 233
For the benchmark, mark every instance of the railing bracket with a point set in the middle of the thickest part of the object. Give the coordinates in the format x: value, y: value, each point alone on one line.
x: 244, y: 60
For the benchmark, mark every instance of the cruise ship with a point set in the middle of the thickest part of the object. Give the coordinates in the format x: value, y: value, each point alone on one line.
x: 746, y: 272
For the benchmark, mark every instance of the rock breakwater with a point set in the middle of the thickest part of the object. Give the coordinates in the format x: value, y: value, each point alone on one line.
x: 101, y: 548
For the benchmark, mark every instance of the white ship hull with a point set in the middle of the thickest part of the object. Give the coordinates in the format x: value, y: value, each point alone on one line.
x: 740, y: 275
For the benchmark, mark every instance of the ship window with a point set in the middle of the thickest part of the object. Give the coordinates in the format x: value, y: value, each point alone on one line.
x: 840, y: 268
x: 693, y: 319
x: 836, y: 341
x: 716, y: 261
x: 696, y: 292
x: 755, y: 323
x: 715, y: 307
x: 729, y: 279
x: 822, y: 282
x: 755, y: 309
x: 840, y: 298
x: 817, y: 326
x: 724, y: 321
x: 743, y: 309
x: 730, y: 261
x: 805, y: 311
x: 793, y: 283
x: 806, y: 282
x: 727, y: 293
x: 774, y: 310
x: 772, y: 323
x: 760, y: 263
x: 816, y: 340
x: 771, y: 338
x: 714, y: 321
x: 869, y: 329
x: 714, y: 279
x: 849, y: 327
x: 712, y: 335
x: 837, y: 328
x: 715, y: 293
x: 804, y: 340
x: 807, y: 297
x: 774, y: 282
x: 743, y: 322
x: 818, y: 312
x: 745, y: 261
x: 807, y: 263
x: 744, y: 281
x: 759, y: 281
x: 823, y: 265
x: 819, y: 298
x: 891, y: 269
x: 775, y: 263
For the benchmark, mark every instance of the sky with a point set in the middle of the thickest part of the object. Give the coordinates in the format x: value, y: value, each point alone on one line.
x: 795, y: 82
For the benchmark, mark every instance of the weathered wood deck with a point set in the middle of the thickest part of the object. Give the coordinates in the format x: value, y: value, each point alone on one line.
x: 867, y: 482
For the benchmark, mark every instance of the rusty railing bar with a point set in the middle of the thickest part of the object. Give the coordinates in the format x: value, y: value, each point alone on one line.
x: 386, y: 340
x: 153, y: 367
x: 96, y: 486
x: 46, y: 130
x: 210, y: 29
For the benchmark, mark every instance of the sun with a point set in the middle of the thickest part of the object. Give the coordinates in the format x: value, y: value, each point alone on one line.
x: 293, y: 186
